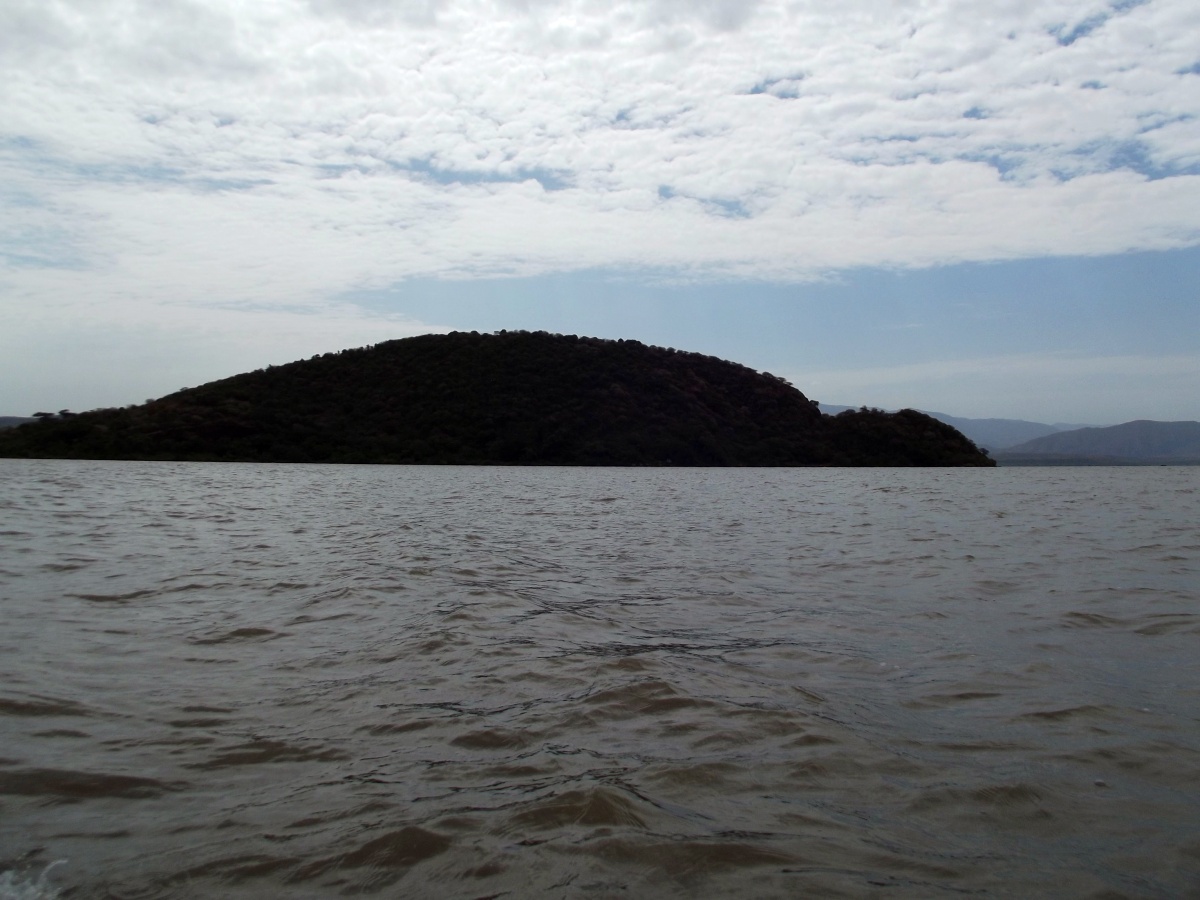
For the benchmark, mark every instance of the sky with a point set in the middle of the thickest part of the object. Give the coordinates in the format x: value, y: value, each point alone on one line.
x: 988, y: 210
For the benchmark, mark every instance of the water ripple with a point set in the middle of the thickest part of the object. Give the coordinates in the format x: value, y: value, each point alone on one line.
x: 311, y: 681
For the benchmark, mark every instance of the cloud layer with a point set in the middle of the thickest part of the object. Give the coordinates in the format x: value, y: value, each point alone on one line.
x: 335, y: 141
x: 163, y: 156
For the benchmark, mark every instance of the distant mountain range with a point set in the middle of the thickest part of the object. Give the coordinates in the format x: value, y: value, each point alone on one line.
x: 13, y: 421
x: 1132, y: 442
x: 1017, y: 442
x: 994, y: 434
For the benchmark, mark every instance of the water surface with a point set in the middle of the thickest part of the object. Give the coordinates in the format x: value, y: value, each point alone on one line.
x: 311, y: 681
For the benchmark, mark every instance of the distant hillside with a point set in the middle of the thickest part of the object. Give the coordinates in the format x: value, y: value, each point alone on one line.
x: 13, y: 421
x: 998, y: 434
x: 995, y: 434
x: 1142, y: 441
x: 510, y: 397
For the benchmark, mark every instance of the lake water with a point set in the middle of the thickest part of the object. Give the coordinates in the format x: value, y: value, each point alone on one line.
x: 313, y: 681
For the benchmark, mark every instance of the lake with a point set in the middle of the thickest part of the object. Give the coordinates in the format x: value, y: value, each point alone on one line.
x: 237, y: 680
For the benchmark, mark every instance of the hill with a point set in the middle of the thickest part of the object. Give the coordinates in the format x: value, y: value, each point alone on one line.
x: 1142, y: 441
x: 14, y: 421
x: 509, y: 397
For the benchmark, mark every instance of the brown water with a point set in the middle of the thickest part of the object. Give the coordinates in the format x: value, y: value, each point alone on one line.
x: 311, y: 681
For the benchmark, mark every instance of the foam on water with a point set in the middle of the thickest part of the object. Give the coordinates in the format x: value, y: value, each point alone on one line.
x: 15, y: 886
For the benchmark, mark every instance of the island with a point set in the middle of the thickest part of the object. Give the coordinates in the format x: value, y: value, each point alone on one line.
x: 508, y: 398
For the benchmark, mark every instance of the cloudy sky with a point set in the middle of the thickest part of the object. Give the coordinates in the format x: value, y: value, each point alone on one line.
x: 987, y: 209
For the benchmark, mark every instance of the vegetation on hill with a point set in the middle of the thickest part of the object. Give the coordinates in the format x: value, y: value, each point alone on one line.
x: 509, y: 397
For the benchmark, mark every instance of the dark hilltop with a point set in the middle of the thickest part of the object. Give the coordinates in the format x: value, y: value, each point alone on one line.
x: 505, y: 398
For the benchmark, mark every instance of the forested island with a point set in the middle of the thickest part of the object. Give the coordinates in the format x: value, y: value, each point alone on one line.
x: 526, y: 398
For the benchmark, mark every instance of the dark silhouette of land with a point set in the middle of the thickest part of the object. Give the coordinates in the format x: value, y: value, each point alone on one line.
x: 504, y: 398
